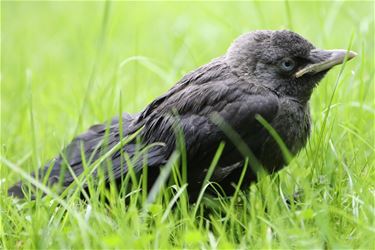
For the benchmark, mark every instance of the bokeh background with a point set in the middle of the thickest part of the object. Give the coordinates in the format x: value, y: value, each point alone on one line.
x: 68, y: 65
x: 62, y: 46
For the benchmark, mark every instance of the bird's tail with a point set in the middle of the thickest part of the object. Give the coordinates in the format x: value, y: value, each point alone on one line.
x: 100, y: 140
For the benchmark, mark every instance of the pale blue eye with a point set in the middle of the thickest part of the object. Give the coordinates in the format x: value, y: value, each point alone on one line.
x: 287, y: 64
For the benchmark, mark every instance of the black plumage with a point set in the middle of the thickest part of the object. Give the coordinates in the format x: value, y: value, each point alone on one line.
x: 267, y: 73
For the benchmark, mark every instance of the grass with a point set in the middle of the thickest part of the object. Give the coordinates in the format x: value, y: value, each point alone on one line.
x: 68, y: 65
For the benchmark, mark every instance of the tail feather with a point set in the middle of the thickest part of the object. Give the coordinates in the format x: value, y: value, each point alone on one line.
x: 94, y: 143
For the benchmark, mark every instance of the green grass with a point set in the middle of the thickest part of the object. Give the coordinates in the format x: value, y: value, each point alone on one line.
x: 68, y: 65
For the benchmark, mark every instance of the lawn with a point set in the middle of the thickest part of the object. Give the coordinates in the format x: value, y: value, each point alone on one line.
x: 68, y: 65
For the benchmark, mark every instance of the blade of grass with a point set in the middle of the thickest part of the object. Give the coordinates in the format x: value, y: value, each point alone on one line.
x: 207, y: 178
x: 286, y: 153
x: 97, y: 58
x: 239, y: 143
x: 162, y: 178
x: 320, y: 138
x: 83, y: 226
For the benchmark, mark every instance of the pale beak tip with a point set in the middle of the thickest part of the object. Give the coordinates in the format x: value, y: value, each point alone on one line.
x: 335, y: 57
x: 351, y: 54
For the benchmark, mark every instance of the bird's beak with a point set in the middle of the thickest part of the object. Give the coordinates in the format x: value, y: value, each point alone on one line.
x: 324, y: 60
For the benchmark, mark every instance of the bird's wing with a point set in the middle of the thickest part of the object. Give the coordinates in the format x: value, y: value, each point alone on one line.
x: 216, y: 91
x: 202, y: 75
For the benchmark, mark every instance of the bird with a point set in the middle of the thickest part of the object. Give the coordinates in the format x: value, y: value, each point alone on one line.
x: 265, y: 77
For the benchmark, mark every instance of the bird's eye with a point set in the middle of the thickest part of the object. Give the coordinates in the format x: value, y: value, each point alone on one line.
x: 287, y: 64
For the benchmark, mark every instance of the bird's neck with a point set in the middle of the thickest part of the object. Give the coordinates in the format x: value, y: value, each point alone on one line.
x: 298, y: 94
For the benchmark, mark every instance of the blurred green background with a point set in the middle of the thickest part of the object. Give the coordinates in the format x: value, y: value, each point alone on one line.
x: 60, y: 60
x: 57, y: 42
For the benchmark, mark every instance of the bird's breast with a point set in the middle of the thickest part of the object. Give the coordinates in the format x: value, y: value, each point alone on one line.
x: 292, y: 124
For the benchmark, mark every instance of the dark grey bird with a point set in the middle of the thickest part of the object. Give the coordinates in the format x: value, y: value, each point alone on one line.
x: 268, y: 74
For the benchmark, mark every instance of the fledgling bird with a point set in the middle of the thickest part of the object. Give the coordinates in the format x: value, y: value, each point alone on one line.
x: 264, y: 73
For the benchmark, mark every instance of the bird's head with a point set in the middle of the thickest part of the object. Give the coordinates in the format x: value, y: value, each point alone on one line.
x: 282, y: 61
